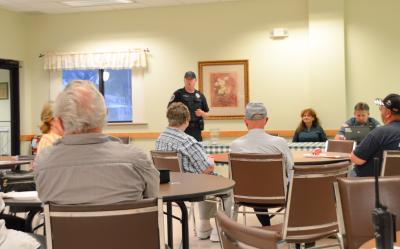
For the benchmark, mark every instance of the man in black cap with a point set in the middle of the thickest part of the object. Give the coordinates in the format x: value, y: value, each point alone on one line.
x: 382, y: 138
x: 196, y: 103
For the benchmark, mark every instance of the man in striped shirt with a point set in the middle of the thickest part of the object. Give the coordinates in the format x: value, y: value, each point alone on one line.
x: 194, y: 160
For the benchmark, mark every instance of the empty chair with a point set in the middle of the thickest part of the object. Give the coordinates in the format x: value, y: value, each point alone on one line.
x: 136, y: 224
x: 166, y: 160
x: 311, y: 210
x: 343, y: 146
x: 356, y: 200
x: 391, y: 163
x: 232, y: 232
x: 260, y: 180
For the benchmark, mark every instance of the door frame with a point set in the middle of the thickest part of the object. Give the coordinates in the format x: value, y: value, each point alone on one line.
x: 13, y: 67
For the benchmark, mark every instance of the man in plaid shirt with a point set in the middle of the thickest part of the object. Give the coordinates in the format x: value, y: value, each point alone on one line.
x: 194, y: 160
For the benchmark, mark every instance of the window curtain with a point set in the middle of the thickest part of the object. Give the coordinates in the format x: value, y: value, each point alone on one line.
x: 105, y: 60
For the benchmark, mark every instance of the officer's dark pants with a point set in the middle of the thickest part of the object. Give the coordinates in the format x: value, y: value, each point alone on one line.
x: 194, y: 132
x: 263, y: 218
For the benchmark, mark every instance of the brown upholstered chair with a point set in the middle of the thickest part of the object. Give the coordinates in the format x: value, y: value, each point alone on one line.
x: 166, y: 160
x: 125, y: 225
x: 260, y: 181
x: 343, y: 146
x: 391, y: 163
x: 232, y: 232
x: 311, y: 209
x: 356, y: 200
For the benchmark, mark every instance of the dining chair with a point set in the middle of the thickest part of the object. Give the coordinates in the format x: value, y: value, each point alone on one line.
x: 391, y: 163
x: 355, y: 202
x: 137, y: 224
x: 343, y: 146
x: 236, y: 236
x: 260, y: 181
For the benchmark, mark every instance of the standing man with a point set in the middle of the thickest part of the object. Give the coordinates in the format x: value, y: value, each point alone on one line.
x: 195, y: 102
x: 382, y: 138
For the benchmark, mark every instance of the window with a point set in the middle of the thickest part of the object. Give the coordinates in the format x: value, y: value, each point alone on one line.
x: 116, y: 87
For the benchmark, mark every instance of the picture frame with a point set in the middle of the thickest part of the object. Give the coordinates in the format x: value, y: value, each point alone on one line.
x: 3, y: 90
x: 225, y: 84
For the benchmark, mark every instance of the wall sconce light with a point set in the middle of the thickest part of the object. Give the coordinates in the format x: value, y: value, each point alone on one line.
x: 279, y: 33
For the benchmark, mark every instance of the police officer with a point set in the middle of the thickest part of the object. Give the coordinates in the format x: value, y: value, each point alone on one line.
x: 196, y: 103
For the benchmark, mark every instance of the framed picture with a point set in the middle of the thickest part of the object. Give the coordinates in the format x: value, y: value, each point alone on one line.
x: 226, y: 87
x: 3, y: 90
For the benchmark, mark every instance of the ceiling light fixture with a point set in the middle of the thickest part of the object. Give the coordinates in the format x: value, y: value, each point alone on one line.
x: 89, y: 3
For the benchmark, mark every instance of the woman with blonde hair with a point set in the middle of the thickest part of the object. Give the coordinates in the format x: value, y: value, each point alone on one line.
x: 309, y: 129
x: 50, y: 127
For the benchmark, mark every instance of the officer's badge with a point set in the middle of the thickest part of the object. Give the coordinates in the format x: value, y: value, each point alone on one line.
x: 172, y: 98
x: 197, y: 95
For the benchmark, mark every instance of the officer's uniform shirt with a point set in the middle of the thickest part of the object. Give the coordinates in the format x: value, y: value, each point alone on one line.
x: 193, y: 101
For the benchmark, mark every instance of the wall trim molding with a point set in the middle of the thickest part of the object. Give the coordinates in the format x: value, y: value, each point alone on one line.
x: 206, y: 134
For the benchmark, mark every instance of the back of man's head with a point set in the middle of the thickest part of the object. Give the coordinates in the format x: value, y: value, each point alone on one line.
x: 81, y: 108
x: 256, y: 115
x: 177, y: 114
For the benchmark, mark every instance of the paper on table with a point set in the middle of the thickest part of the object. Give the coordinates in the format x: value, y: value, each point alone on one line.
x: 26, y: 195
x: 322, y: 155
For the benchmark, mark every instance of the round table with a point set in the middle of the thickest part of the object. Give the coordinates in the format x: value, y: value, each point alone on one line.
x: 371, y: 243
x: 189, y: 187
x: 300, y: 157
x: 182, y: 187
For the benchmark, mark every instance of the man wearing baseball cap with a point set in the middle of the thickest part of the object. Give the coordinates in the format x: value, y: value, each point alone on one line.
x: 382, y: 138
x: 195, y: 102
x: 258, y: 141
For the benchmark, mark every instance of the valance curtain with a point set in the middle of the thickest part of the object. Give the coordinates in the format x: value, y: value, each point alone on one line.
x: 96, y: 60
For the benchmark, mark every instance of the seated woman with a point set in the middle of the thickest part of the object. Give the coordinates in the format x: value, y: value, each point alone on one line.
x: 309, y: 129
x: 50, y: 127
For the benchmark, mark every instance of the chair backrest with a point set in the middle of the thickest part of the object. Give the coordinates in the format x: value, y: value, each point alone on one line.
x: 259, y: 178
x: 166, y: 160
x: 343, y: 146
x: 232, y: 232
x: 391, y: 163
x: 125, y: 225
x: 356, y: 200
x: 124, y: 140
x: 311, y: 210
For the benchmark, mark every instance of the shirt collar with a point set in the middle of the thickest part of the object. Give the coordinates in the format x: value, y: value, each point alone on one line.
x: 86, y: 138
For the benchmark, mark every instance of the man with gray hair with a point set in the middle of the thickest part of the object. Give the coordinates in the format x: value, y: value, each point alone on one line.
x: 87, y: 166
x: 257, y: 141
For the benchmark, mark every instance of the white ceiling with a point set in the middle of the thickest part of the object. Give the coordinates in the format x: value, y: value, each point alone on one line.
x: 57, y: 6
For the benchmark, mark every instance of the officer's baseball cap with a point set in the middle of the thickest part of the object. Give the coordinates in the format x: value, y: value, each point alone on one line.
x: 255, y: 111
x: 391, y: 102
x: 190, y: 75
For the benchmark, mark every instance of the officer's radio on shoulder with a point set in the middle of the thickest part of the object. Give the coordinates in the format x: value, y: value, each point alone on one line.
x: 382, y: 219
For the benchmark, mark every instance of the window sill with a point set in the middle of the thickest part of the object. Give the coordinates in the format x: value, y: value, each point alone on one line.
x: 127, y: 123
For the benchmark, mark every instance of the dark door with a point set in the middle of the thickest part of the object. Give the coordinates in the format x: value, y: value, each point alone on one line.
x: 9, y: 108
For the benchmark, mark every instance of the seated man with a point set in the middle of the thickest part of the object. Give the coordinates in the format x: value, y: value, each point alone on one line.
x: 194, y: 160
x: 361, y: 119
x: 257, y: 141
x: 87, y: 166
x: 382, y: 138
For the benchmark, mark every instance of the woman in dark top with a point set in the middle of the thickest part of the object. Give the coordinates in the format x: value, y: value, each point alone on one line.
x: 309, y: 129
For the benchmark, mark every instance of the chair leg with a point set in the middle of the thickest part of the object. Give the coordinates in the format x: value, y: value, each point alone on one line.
x: 340, y: 239
x: 193, y: 216
x: 244, y: 216
x: 235, y: 210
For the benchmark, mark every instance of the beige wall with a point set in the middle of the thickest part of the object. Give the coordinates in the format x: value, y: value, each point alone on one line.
x: 373, y: 51
x: 179, y: 37
x: 338, y: 52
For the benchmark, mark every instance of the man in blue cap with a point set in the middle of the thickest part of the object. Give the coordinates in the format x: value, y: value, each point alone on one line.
x: 195, y: 102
